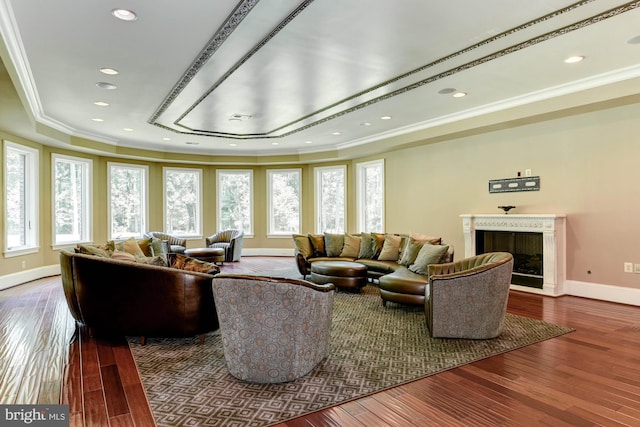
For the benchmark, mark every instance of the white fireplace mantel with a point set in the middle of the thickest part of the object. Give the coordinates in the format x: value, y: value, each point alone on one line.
x: 551, y: 226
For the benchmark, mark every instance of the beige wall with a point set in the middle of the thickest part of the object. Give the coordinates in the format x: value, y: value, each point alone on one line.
x: 587, y: 165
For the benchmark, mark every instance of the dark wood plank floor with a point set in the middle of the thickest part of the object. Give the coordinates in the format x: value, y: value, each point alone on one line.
x: 590, y: 377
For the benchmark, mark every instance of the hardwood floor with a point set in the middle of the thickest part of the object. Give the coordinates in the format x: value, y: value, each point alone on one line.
x: 585, y: 378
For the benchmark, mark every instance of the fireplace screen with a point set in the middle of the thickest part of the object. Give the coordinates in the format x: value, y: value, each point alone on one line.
x: 526, y: 249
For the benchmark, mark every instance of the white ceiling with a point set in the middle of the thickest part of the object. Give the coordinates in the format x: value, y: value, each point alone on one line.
x: 296, y: 72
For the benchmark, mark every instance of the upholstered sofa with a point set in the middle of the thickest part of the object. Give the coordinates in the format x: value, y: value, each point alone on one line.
x: 399, y: 262
x: 111, y: 296
x: 468, y: 298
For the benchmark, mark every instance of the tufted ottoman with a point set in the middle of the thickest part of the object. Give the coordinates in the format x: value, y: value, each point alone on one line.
x: 214, y: 255
x: 343, y: 274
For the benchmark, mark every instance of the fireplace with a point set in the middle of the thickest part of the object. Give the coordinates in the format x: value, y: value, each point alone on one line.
x: 537, y: 243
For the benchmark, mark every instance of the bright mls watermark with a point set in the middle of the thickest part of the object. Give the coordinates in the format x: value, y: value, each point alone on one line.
x: 34, y: 415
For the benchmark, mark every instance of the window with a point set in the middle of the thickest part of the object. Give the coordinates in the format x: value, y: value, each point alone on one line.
x: 21, y: 199
x: 182, y: 201
x: 127, y: 197
x: 330, y: 199
x: 284, y: 201
x: 235, y: 196
x: 71, y: 199
x: 370, y: 196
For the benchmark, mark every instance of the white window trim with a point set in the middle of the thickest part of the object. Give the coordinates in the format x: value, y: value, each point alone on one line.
x: 165, y: 217
x: 219, y: 172
x: 360, y: 193
x: 145, y: 197
x: 318, y: 191
x: 88, y: 194
x: 270, y: 173
x: 33, y: 191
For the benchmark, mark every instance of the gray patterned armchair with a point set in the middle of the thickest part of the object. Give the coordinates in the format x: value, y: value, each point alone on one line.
x: 468, y: 298
x: 273, y: 330
x: 174, y: 244
x: 230, y: 241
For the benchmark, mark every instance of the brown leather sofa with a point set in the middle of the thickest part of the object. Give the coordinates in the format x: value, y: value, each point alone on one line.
x: 127, y: 298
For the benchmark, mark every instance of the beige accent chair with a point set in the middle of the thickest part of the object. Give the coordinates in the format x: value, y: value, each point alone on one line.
x: 468, y: 298
x: 230, y: 241
x: 173, y: 244
x: 273, y: 330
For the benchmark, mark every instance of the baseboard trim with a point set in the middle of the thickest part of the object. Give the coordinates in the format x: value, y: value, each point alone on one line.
x: 21, y: 277
x: 602, y: 292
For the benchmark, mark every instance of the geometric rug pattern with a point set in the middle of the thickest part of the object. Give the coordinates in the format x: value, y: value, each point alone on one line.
x: 372, y: 348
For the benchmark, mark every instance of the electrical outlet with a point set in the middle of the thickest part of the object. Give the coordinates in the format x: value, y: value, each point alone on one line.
x: 527, y: 172
x: 628, y: 267
x: 636, y: 268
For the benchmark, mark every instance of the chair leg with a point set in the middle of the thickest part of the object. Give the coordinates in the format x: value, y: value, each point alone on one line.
x: 384, y: 302
x: 143, y: 340
x: 201, y: 339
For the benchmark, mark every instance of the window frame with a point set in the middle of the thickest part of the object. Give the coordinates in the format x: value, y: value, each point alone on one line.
x: 32, y: 191
x: 144, y: 221
x: 248, y: 172
x: 270, y: 216
x: 165, y: 207
x: 361, y: 193
x: 87, y: 198
x: 318, y: 202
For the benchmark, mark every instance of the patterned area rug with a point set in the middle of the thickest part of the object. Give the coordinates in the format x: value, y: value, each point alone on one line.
x: 373, y: 348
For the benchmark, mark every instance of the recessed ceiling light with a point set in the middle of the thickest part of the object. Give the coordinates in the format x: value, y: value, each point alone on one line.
x: 124, y: 14
x: 446, y: 91
x: 233, y: 144
x: 101, y: 104
x: 107, y: 86
x: 109, y: 71
x: 385, y: 118
x: 275, y: 143
x: 98, y: 120
x: 634, y: 40
x: 166, y: 139
x: 128, y: 129
x: 459, y: 94
x: 573, y: 59
x: 336, y: 133
x: 365, y: 124
x: 308, y: 142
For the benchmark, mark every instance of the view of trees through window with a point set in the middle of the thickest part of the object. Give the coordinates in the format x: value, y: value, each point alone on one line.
x: 330, y: 199
x: 370, y: 197
x: 284, y: 201
x: 71, y: 189
x: 127, y: 200
x: 21, y: 189
x: 182, y: 201
x: 235, y: 193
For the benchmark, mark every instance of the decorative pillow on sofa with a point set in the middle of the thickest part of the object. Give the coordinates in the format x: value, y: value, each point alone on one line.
x: 303, y: 245
x: 152, y: 260
x: 390, y: 248
x: 366, y: 246
x: 93, y: 250
x: 351, y: 246
x: 145, y: 246
x: 377, y: 240
x: 183, y: 262
x: 429, y: 254
x: 130, y: 246
x: 414, y: 245
x: 123, y: 256
x: 333, y: 244
x: 317, y: 244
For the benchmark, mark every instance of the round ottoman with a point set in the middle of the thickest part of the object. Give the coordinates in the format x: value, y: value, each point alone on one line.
x: 343, y: 274
x: 213, y: 255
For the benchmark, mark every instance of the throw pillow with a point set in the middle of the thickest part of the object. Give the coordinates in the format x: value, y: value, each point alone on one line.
x: 366, y: 246
x: 377, y: 240
x: 317, y: 244
x: 123, y: 256
x: 93, y: 250
x: 156, y: 246
x: 411, y: 251
x: 424, y: 238
x: 183, y: 262
x: 145, y: 246
x: 303, y: 245
x: 333, y: 244
x: 351, y: 246
x: 131, y: 246
x: 429, y: 254
x: 152, y: 260
x: 390, y: 248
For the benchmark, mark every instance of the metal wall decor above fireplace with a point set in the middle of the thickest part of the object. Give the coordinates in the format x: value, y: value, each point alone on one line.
x: 537, y: 243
